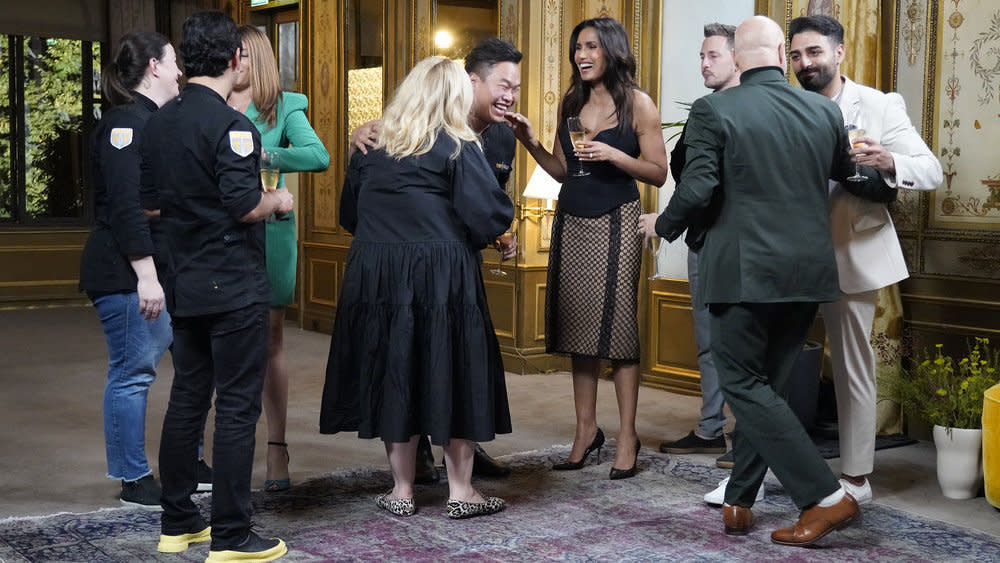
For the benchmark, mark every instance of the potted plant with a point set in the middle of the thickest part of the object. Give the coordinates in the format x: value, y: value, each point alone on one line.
x: 949, y: 394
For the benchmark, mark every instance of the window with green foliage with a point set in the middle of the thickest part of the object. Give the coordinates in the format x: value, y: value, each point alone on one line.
x: 49, y: 101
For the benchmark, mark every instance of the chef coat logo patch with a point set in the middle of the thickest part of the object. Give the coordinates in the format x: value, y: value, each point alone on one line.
x: 121, y: 137
x: 241, y: 142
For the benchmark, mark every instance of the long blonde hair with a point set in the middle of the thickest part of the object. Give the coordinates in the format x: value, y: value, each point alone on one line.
x: 434, y: 98
x: 265, y: 83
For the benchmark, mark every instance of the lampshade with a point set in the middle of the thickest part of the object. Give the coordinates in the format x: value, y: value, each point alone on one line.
x: 541, y: 185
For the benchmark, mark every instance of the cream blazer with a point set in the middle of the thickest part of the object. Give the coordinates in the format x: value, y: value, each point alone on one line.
x: 864, y: 239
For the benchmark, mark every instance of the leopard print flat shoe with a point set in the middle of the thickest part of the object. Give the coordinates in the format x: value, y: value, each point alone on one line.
x: 459, y: 509
x: 397, y: 506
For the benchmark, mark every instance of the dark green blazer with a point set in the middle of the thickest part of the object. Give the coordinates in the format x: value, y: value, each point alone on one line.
x: 770, y: 148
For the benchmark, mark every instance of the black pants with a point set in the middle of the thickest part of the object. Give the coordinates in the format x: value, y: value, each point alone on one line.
x: 755, y: 346
x: 226, y: 352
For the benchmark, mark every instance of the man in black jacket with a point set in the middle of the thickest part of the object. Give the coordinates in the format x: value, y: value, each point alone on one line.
x: 204, y: 177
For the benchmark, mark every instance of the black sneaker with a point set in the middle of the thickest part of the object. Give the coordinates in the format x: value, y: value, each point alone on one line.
x: 143, y: 493
x: 726, y: 461
x: 693, y: 444
x: 254, y: 548
x: 204, y: 476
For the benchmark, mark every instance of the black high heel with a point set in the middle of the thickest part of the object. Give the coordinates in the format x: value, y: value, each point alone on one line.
x: 597, y: 444
x: 631, y: 471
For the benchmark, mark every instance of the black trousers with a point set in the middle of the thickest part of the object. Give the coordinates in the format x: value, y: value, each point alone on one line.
x: 755, y: 346
x: 226, y: 352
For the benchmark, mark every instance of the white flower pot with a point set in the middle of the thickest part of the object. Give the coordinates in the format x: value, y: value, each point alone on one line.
x: 959, y: 461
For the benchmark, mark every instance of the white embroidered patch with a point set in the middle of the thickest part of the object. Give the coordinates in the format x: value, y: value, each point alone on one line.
x: 121, y: 137
x: 241, y: 142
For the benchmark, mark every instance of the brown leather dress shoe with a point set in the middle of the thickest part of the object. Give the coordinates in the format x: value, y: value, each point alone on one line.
x: 816, y: 522
x: 737, y: 520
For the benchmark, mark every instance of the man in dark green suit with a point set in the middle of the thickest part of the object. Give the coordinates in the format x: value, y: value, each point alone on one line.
x: 766, y: 264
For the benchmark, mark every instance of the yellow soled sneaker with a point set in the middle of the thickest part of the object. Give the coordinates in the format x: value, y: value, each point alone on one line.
x: 254, y: 549
x: 170, y: 543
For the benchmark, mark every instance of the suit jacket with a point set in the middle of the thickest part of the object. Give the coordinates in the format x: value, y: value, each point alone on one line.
x: 698, y: 226
x: 864, y: 239
x: 771, y: 150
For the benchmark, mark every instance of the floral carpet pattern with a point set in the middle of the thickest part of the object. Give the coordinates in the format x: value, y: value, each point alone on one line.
x: 551, y: 516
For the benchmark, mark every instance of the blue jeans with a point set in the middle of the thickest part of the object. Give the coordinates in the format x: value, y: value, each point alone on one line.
x: 713, y: 415
x: 135, y: 346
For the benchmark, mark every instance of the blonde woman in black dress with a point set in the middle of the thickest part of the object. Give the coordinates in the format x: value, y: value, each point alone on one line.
x: 413, y: 350
x: 592, y: 292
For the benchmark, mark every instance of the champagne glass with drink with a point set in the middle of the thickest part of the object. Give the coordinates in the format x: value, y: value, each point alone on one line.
x: 577, y: 135
x: 501, y: 243
x: 270, y: 171
x: 855, y: 134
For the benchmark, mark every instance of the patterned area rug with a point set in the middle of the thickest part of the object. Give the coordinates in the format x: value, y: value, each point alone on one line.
x: 551, y: 516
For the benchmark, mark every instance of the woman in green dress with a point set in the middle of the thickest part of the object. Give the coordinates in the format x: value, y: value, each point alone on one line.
x: 284, y: 130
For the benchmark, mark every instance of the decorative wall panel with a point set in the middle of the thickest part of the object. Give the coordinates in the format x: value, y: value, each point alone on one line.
x: 327, y: 108
x: 967, y: 114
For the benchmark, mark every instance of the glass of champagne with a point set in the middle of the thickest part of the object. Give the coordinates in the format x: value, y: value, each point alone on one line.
x: 654, y: 248
x: 501, y: 242
x: 577, y: 135
x: 855, y: 134
x: 270, y: 169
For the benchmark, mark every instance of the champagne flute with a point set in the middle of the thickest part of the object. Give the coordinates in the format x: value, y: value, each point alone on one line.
x: 654, y: 248
x: 270, y: 171
x: 855, y: 134
x: 501, y: 242
x: 577, y: 135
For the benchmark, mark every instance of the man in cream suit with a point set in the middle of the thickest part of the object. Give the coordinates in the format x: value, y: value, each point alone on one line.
x: 865, y: 244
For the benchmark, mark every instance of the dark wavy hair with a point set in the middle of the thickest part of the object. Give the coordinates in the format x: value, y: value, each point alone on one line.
x: 619, y: 71
x: 126, y: 70
x: 489, y: 52
x: 209, y: 42
x: 824, y: 25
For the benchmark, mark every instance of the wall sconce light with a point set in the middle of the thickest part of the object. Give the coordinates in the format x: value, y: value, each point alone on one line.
x: 443, y: 40
x: 544, y: 187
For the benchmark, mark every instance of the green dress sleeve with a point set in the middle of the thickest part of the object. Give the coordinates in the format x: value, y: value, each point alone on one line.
x: 300, y: 148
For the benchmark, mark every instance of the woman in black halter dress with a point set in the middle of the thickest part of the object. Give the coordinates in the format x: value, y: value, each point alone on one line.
x: 594, y: 260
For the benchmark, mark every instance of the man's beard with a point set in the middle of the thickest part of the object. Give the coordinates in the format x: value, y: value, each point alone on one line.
x: 714, y: 83
x: 817, y: 81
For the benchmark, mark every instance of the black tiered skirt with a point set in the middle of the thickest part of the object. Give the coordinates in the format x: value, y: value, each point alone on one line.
x: 413, y: 348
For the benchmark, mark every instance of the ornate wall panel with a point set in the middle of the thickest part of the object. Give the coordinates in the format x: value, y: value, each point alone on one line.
x: 967, y: 114
x: 946, y: 53
x: 323, y: 250
x: 327, y: 103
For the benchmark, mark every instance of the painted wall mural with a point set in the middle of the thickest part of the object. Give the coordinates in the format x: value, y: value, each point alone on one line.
x: 967, y: 115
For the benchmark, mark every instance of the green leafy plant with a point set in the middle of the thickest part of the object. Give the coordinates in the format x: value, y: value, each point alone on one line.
x: 947, y: 392
x: 678, y: 124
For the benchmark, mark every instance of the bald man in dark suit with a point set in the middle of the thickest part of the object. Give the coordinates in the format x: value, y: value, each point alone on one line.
x: 767, y: 151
